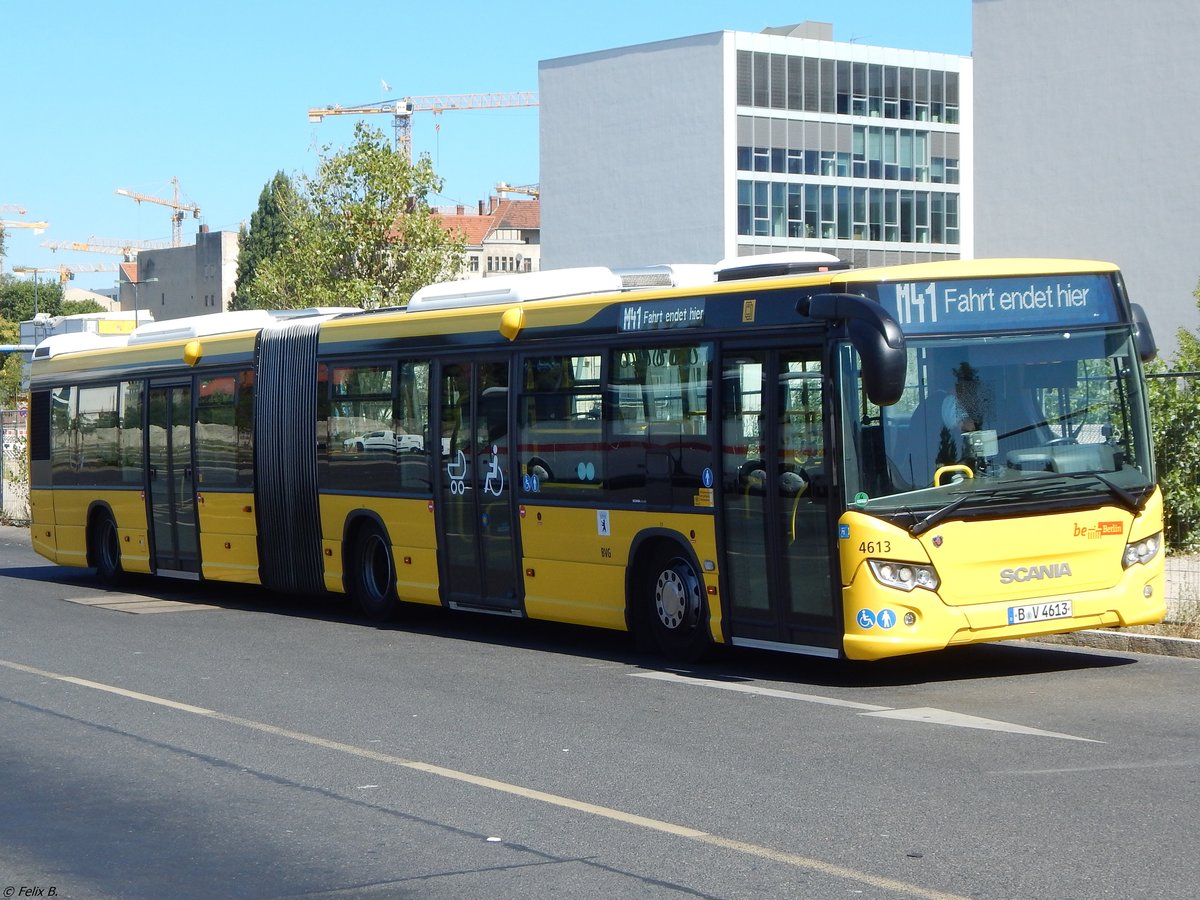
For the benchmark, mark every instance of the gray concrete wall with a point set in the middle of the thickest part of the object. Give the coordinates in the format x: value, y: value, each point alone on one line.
x: 193, y: 280
x: 1086, y: 133
x: 621, y: 131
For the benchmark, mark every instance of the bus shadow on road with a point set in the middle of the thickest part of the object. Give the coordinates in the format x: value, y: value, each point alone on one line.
x: 723, y: 663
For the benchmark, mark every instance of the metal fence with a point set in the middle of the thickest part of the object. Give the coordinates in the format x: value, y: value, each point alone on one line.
x: 14, y: 493
x: 1183, y: 565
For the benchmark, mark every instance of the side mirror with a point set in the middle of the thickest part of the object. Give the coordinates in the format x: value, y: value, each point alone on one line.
x: 1143, y: 337
x: 874, y: 334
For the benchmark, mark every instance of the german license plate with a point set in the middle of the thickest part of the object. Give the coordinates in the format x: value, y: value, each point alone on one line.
x: 1038, y: 612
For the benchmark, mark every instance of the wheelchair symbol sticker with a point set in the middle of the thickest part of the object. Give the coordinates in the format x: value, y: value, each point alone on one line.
x: 494, y: 481
x: 867, y: 618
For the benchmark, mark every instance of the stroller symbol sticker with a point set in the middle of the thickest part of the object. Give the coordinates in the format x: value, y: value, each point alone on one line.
x: 457, y: 472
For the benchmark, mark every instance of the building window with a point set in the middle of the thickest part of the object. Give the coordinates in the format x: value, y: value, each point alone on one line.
x: 762, y: 223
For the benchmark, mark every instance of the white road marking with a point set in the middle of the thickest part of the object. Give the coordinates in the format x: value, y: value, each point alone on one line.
x: 680, y: 831
x: 758, y: 689
x: 135, y: 603
x: 959, y: 720
x: 926, y: 714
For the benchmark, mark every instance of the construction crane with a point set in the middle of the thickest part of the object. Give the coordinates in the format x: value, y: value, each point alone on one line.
x: 402, y: 110
x: 176, y: 204
x: 65, y: 273
x: 12, y: 207
x: 38, y: 227
x: 118, y: 246
x: 532, y: 190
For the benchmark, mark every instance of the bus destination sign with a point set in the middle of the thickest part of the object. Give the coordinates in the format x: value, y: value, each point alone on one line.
x: 1044, y: 301
x: 663, y: 314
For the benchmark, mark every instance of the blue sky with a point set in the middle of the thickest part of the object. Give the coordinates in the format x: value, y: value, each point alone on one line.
x: 99, y: 97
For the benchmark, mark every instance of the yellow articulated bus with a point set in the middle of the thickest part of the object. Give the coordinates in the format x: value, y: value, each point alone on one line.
x: 778, y: 452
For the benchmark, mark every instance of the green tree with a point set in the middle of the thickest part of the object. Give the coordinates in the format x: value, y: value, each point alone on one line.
x: 17, y: 298
x: 79, y: 307
x: 10, y: 366
x: 360, y: 233
x: 266, y: 237
x: 1174, y: 411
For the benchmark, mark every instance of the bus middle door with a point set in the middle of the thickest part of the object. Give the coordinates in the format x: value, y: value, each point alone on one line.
x: 479, y: 552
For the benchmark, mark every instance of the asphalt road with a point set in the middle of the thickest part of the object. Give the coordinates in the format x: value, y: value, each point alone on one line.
x: 244, y: 744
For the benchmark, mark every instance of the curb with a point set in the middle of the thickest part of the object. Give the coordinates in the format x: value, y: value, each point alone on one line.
x: 1127, y: 642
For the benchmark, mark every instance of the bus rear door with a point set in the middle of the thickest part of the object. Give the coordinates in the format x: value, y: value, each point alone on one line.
x: 170, y: 480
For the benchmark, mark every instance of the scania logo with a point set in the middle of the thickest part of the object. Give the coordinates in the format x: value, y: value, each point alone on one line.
x: 1035, y: 573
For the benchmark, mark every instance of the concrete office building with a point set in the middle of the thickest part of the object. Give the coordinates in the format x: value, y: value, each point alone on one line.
x: 1086, y: 135
x: 178, y: 282
x: 734, y: 144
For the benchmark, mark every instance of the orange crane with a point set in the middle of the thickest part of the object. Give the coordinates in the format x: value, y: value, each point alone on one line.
x: 402, y: 110
x: 65, y: 273
x: 38, y: 227
x: 532, y: 190
x: 119, y: 246
x: 176, y: 204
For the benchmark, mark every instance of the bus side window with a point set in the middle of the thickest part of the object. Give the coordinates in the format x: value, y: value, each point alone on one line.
x: 131, y: 451
x: 560, y: 446
x: 658, y: 407
x: 361, y: 443
x: 216, y: 431
x: 98, y: 429
x: 411, y: 419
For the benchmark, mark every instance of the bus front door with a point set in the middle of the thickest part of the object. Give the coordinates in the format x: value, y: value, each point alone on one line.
x: 479, y: 553
x: 170, y: 483
x: 776, y: 500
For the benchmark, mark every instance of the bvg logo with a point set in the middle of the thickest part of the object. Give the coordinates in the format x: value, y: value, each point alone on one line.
x: 1099, y: 530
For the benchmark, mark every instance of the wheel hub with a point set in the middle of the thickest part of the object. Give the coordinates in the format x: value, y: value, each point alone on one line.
x: 674, y: 599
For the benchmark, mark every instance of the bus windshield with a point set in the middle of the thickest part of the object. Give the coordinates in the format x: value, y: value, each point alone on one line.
x: 1001, y: 420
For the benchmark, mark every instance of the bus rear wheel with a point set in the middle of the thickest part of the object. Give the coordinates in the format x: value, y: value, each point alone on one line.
x: 675, y: 611
x: 373, y: 574
x: 104, y: 548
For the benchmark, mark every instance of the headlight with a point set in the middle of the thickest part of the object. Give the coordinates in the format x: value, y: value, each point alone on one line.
x: 904, y: 576
x: 1142, y: 551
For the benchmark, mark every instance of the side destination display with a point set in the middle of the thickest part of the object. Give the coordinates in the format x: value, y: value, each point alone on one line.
x: 1001, y: 304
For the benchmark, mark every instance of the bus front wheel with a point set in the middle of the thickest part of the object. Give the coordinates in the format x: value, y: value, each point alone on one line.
x: 105, y: 550
x: 373, y: 574
x: 675, y: 611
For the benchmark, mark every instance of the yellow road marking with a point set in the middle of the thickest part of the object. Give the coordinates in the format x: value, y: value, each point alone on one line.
x: 616, y: 815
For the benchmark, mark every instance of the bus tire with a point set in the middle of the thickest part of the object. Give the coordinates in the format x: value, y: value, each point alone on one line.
x: 104, y: 550
x: 373, y: 574
x: 674, y: 606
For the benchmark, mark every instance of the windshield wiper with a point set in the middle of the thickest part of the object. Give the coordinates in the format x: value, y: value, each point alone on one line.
x: 1133, y: 502
x: 920, y: 527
